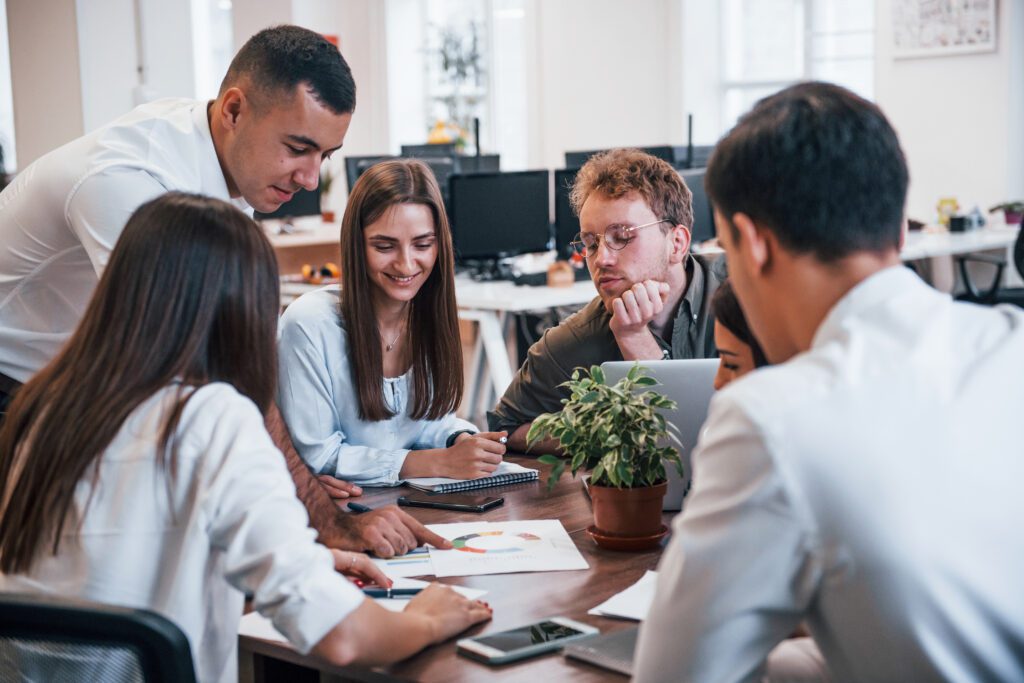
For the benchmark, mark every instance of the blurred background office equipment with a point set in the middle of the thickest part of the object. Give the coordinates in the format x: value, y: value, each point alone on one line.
x: 498, y: 215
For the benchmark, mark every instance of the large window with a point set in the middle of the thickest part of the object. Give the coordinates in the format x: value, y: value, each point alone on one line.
x: 453, y: 61
x: 767, y: 45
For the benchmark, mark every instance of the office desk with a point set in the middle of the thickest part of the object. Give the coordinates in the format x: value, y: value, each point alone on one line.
x: 517, y: 599
x: 933, y: 242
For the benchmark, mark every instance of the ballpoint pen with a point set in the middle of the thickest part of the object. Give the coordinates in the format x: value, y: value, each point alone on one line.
x: 359, y: 508
x: 391, y: 592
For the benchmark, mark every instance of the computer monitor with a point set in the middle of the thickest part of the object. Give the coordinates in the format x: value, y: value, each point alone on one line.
x: 494, y: 215
x: 703, y: 216
x: 484, y: 163
x: 446, y: 149
x: 697, y: 157
x: 356, y: 166
x: 443, y: 168
x: 664, y: 152
x: 567, y: 224
x: 302, y: 203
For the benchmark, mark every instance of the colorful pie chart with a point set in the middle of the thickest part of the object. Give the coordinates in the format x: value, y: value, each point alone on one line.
x: 463, y: 542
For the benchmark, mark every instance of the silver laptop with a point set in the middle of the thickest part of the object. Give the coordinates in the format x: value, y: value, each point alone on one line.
x: 690, y: 383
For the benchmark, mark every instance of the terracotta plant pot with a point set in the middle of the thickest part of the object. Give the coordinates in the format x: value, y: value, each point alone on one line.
x: 628, y: 519
x: 327, y: 215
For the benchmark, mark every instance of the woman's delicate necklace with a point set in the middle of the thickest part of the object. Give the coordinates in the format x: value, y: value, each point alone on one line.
x: 401, y: 329
x: 388, y: 347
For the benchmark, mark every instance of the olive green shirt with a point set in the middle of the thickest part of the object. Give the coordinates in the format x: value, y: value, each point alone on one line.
x: 584, y: 339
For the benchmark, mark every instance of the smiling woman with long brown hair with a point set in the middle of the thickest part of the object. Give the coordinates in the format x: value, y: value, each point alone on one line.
x: 371, y: 372
x: 135, y: 468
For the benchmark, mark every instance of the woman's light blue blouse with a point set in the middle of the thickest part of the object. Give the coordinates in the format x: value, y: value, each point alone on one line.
x: 318, y: 401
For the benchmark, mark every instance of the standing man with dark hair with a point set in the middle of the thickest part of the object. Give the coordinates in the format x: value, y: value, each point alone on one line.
x: 653, y: 295
x: 284, y: 106
x: 867, y: 484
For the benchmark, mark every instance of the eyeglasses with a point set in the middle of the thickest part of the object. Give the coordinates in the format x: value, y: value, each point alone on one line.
x: 615, y: 237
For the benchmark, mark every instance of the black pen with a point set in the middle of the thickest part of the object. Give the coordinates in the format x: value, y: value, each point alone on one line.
x: 358, y: 508
x: 391, y: 592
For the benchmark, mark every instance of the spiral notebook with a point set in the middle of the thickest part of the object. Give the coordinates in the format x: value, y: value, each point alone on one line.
x: 507, y: 473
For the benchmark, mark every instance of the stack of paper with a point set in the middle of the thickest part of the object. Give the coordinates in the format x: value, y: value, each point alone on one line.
x: 540, y: 545
x: 632, y: 603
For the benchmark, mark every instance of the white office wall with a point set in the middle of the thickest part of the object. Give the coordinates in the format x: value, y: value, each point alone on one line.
x: 45, y: 76
x: 248, y: 17
x: 959, y: 117
x: 604, y: 76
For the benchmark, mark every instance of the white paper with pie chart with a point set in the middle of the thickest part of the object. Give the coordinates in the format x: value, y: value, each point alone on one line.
x: 504, y: 548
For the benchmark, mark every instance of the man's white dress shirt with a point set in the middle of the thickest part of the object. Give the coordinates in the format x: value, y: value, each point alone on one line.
x: 190, y: 547
x: 872, y: 486
x: 320, y: 404
x: 61, y: 216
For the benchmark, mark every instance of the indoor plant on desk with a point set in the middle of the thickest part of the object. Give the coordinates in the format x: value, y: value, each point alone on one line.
x: 617, y: 432
x: 1013, y: 212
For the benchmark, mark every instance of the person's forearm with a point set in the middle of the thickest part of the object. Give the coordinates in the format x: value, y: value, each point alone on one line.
x: 424, y: 463
x: 517, y: 443
x: 324, y: 515
x: 373, y: 635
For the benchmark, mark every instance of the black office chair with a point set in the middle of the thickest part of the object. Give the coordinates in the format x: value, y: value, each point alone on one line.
x: 993, y: 294
x: 67, y: 641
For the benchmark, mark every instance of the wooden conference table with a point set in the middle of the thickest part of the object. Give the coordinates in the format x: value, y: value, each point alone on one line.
x: 517, y: 599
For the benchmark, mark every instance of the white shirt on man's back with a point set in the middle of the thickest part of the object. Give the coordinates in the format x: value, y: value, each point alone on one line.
x: 871, y: 486
x: 190, y: 547
x: 61, y: 216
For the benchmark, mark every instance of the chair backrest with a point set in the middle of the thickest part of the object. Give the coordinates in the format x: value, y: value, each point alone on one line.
x: 60, y: 640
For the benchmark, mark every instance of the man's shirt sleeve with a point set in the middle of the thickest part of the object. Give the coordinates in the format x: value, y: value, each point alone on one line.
x: 100, y: 206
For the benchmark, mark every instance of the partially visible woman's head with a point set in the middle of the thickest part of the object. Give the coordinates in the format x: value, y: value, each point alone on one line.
x: 189, y: 296
x: 738, y: 350
x: 396, y: 246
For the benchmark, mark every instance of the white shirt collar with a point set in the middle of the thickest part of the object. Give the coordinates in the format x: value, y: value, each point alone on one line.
x: 865, y: 295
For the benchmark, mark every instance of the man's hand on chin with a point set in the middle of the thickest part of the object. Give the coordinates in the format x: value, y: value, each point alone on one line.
x: 632, y: 311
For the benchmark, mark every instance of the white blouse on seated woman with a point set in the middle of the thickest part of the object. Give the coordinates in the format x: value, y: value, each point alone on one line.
x: 319, y: 401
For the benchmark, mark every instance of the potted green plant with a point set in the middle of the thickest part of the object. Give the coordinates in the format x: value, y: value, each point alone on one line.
x: 617, y: 432
x: 1013, y: 212
x: 326, y: 180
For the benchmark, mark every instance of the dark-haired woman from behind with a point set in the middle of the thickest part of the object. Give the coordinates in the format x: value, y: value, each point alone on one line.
x: 371, y: 372
x: 135, y: 469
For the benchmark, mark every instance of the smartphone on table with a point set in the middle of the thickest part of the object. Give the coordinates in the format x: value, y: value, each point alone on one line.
x: 525, y: 641
x: 463, y: 502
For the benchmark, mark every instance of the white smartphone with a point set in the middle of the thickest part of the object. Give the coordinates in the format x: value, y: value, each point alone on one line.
x: 525, y: 641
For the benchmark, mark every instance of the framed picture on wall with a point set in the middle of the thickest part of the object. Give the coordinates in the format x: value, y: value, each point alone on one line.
x: 939, y: 28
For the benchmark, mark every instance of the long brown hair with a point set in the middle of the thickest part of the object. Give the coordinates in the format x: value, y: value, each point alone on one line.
x: 433, y: 318
x: 191, y: 295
